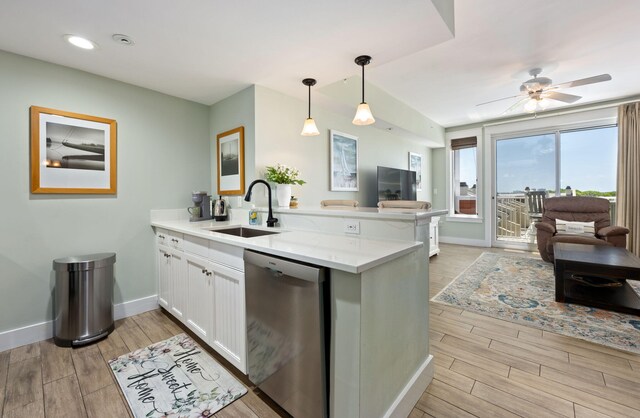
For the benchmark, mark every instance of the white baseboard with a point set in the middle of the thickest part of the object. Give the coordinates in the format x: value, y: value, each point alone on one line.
x: 135, y: 307
x: 465, y: 241
x: 411, y: 393
x: 44, y: 330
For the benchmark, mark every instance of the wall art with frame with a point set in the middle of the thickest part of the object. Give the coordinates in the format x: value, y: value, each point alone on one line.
x: 72, y: 153
x: 415, y: 164
x: 230, y: 158
x: 344, y: 162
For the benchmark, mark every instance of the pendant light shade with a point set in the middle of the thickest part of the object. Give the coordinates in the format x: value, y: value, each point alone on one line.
x: 363, y: 113
x: 309, y: 128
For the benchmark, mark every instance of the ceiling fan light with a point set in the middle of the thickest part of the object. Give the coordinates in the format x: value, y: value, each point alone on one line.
x: 544, y: 103
x: 531, y: 105
x: 363, y: 115
x: 310, y: 128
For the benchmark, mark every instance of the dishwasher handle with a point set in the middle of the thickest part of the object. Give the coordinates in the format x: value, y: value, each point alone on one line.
x: 285, y: 267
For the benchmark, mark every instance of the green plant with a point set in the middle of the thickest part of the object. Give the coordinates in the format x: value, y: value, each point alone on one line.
x: 282, y: 174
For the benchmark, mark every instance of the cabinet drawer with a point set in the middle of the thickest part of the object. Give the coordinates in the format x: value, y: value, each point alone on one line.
x: 175, y: 240
x: 196, y: 245
x: 162, y: 236
x: 227, y: 255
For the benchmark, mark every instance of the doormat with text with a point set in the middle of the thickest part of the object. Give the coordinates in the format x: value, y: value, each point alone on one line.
x: 174, y: 378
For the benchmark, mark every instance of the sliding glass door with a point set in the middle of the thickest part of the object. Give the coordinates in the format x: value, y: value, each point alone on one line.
x: 530, y: 168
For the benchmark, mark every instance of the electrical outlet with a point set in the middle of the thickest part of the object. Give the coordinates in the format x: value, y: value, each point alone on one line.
x: 435, y: 191
x: 352, y: 227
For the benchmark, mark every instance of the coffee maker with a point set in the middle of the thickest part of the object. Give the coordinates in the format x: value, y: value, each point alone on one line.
x: 201, y: 209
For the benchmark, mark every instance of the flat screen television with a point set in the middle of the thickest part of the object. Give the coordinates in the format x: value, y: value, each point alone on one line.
x: 396, y: 184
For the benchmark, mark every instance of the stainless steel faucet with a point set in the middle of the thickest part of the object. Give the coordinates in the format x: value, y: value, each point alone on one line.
x: 271, y: 221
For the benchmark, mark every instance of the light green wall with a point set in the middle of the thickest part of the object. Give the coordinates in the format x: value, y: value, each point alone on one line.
x: 438, y: 184
x: 279, y: 120
x: 163, y: 154
x: 230, y: 113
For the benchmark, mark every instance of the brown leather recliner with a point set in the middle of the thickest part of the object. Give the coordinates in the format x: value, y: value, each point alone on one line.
x: 580, y: 209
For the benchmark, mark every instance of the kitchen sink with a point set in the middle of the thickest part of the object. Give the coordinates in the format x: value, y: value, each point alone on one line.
x: 243, y: 232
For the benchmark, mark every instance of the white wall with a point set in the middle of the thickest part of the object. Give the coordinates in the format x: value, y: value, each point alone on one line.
x: 163, y: 154
x: 279, y: 120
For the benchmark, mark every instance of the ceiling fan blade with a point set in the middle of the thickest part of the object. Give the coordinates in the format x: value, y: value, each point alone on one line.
x: 516, y: 104
x: 497, y: 100
x: 589, y: 80
x: 561, y: 97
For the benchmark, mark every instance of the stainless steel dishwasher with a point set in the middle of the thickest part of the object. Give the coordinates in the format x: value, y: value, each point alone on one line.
x: 285, y: 332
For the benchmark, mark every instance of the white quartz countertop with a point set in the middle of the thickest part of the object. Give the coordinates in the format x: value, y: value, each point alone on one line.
x: 362, y: 212
x: 342, y: 252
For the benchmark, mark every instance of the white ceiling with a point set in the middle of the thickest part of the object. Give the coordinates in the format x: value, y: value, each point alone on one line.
x: 206, y: 50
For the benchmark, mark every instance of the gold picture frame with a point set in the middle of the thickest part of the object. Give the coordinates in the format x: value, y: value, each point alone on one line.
x: 72, y: 153
x: 230, y: 162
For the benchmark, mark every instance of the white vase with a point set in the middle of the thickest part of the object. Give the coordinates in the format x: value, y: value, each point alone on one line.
x: 283, y: 193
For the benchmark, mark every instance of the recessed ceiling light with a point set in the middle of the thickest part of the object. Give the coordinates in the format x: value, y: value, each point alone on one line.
x: 123, y: 39
x: 80, y: 42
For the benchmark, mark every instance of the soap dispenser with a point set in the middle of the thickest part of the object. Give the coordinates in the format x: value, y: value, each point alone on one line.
x: 253, y: 216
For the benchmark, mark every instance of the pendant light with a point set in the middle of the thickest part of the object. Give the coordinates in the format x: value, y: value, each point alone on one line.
x: 363, y: 113
x: 309, y: 128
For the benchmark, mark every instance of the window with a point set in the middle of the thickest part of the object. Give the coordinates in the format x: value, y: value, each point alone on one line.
x: 573, y: 162
x: 464, y: 177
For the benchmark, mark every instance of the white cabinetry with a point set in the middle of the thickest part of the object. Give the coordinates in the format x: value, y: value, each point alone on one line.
x: 201, y: 283
x: 434, y: 237
x: 178, y: 280
x: 163, y: 256
x: 199, y: 296
x: 229, y: 318
x: 171, y: 272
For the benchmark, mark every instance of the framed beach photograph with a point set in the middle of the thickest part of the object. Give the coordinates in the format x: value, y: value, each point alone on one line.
x: 72, y: 153
x: 230, y: 157
x: 344, y: 162
x: 415, y: 164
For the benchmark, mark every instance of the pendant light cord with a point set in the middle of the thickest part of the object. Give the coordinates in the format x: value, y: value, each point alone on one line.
x: 363, y: 83
x: 309, y: 103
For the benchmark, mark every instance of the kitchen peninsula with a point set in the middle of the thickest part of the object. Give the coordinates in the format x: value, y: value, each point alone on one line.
x: 379, y: 364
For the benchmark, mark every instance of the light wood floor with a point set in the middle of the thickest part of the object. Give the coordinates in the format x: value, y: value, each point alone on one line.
x: 487, y: 367
x: 484, y: 367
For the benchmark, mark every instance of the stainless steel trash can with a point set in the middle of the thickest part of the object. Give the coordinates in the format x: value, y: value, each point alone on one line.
x: 83, y: 302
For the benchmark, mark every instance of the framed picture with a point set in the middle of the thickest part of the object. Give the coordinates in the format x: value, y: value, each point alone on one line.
x: 72, y: 153
x: 230, y: 157
x: 344, y: 162
x: 415, y: 164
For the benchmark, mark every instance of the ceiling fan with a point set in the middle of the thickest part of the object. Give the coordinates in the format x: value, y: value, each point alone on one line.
x: 537, y: 91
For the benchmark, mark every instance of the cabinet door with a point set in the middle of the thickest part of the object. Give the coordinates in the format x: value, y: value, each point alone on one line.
x: 164, y: 277
x: 229, y: 317
x: 179, y: 285
x: 199, y: 296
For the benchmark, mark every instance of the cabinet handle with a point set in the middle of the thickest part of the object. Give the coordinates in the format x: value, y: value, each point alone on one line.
x: 167, y: 255
x: 161, y: 236
x: 208, y: 273
x: 204, y: 271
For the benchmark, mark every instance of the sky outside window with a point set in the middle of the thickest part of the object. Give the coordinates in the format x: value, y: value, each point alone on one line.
x: 588, y: 159
x: 526, y: 162
x: 468, y: 166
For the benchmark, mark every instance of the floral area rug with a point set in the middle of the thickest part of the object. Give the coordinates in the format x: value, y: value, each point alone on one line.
x: 174, y: 378
x: 522, y: 290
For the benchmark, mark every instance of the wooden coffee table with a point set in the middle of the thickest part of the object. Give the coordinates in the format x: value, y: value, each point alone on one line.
x: 596, y: 275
